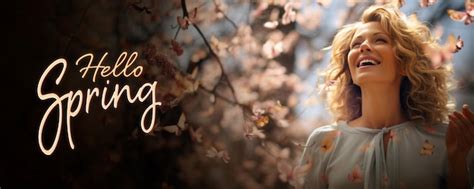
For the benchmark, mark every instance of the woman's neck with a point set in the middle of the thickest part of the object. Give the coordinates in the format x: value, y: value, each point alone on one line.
x: 380, y: 107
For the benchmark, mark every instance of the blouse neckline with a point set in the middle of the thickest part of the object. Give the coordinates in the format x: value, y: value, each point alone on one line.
x: 345, y: 126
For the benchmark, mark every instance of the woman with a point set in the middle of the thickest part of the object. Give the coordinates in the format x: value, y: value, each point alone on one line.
x: 390, y: 103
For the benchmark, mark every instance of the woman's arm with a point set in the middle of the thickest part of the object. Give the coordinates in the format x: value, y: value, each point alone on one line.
x: 457, y: 173
x: 459, y: 140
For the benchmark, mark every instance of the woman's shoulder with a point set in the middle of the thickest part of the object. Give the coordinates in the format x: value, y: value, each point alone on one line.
x: 322, y: 131
x: 436, y: 129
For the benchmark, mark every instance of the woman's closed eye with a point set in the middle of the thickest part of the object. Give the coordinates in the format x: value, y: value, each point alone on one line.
x: 377, y: 40
x: 381, y: 40
x: 355, y: 45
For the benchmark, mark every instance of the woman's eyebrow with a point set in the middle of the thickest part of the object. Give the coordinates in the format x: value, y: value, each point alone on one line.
x: 373, y: 34
x: 380, y: 33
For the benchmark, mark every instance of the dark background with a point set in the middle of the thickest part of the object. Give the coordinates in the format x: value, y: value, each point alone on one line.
x: 38, y: 33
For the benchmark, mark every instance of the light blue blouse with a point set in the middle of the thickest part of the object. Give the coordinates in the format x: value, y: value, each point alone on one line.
x: 349, y: 157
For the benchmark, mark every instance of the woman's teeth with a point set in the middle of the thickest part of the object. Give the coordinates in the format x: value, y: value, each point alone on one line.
x: 367, y: 62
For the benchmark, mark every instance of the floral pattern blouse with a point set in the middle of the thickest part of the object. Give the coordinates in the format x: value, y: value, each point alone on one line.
x: 350, y: 157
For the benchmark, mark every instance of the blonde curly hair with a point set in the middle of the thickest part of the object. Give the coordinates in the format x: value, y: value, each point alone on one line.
x: 424, y: 89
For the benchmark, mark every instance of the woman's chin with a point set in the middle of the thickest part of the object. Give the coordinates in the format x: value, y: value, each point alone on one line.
x: 367, y: 79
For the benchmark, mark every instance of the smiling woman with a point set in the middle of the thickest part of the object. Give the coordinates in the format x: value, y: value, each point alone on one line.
x: 391, y: 107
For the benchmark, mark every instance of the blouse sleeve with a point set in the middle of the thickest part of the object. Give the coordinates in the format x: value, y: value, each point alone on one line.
x: 317, y: 176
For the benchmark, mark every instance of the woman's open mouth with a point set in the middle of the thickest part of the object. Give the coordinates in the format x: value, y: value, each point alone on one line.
x: 367, y: 63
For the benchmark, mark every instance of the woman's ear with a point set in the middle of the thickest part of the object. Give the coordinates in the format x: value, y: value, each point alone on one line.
x: 402, y: 72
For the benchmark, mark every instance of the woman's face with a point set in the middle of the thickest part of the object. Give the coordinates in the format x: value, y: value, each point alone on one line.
x: 371, y: 56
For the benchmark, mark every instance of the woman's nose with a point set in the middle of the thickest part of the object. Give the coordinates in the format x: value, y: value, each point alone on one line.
x: 365, y: 46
